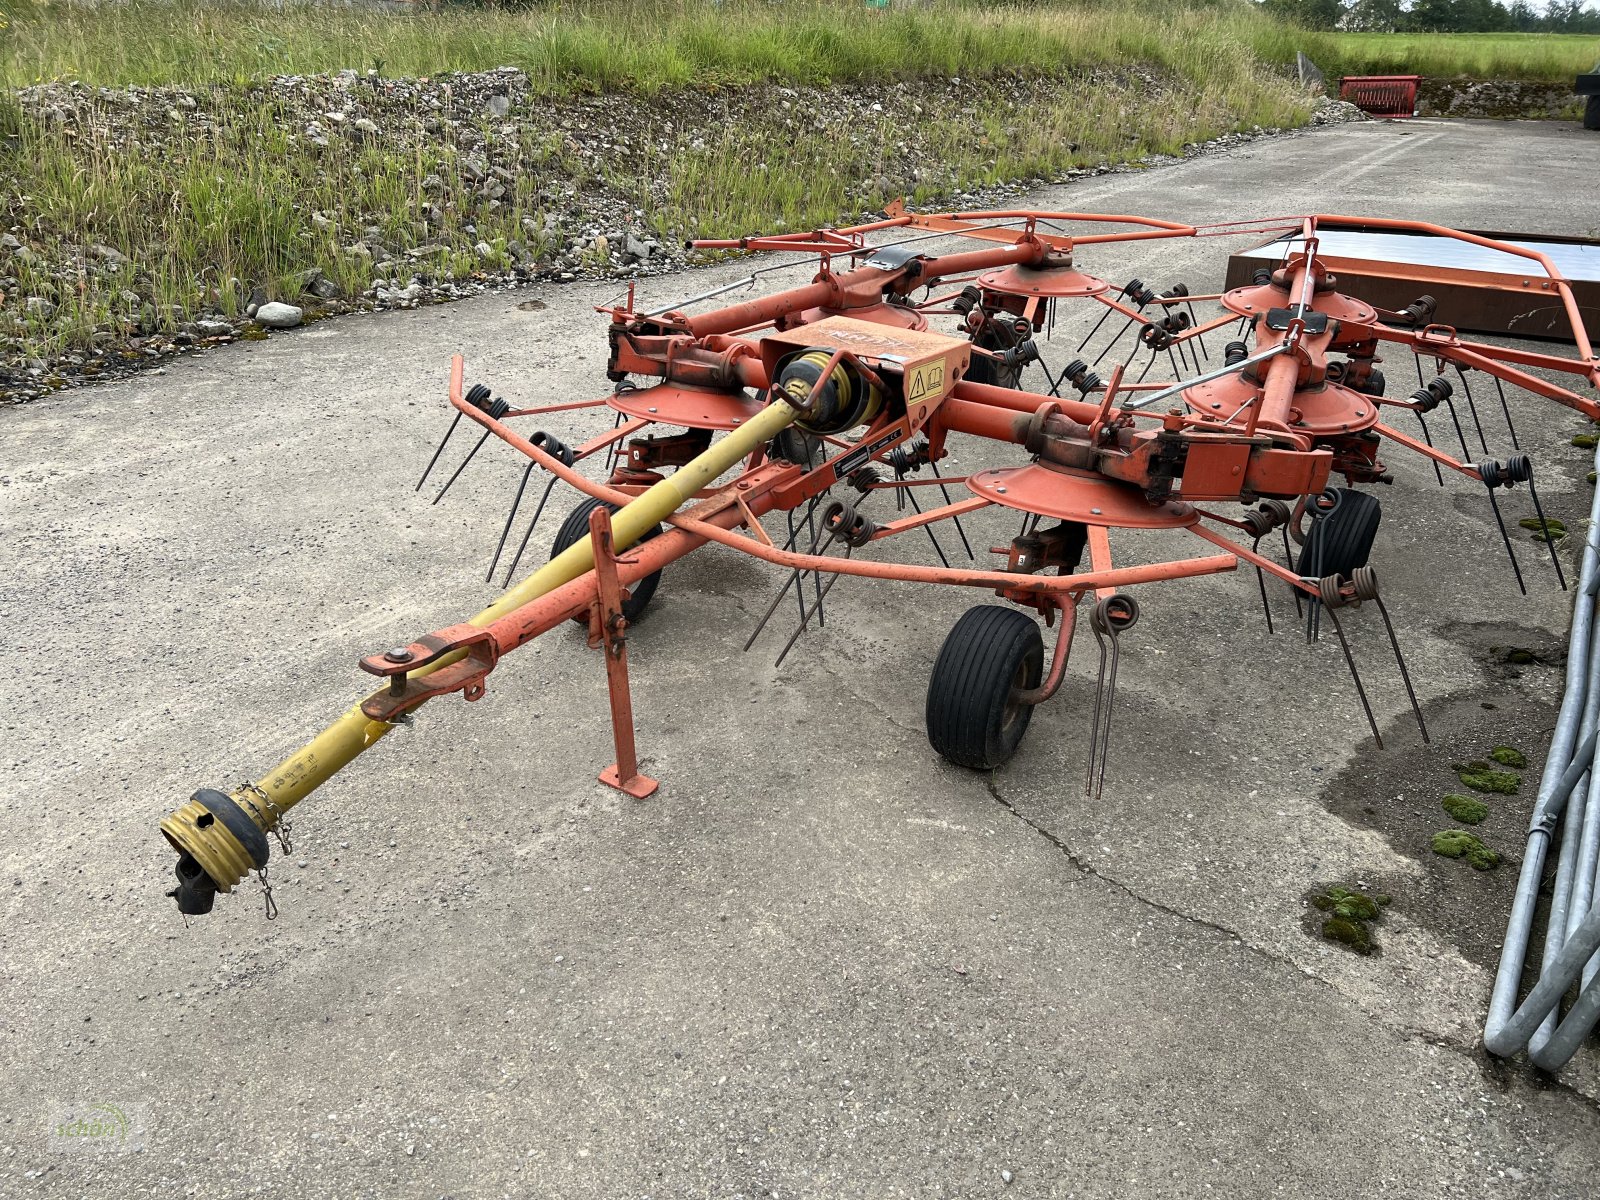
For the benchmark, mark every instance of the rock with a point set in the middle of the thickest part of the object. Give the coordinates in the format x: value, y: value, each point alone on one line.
x: 635, y: 249
x: 39, y: 307
x: 213, y: 328
x: 364, y: 127
x: 498, y: 105
x: 432, y: 184
x: 279, y: 316
x: 484, y: 250
x: 258, y: 297
x: 320, y: 222
x: 518, y: 251
x: 9, y: 242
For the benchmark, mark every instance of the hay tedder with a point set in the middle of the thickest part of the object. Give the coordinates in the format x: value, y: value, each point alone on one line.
x: 808, y: 404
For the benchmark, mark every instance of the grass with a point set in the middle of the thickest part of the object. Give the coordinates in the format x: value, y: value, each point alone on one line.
x: 1525, y: 56
x: 221, y: 199
x: 608, y: 45
x: 208, y: 210
x: 646, y: 45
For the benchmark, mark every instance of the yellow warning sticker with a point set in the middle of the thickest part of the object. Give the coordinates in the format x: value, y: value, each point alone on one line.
x: 926, y: 382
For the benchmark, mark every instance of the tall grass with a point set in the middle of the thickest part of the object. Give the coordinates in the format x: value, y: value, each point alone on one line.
x: 605, y: 45
x: 1523, y: 56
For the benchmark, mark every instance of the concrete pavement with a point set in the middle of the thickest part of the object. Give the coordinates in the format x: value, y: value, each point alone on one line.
x: 819, y: 962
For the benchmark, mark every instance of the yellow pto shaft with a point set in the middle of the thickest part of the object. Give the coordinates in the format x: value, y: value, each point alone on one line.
x: 224, y: 835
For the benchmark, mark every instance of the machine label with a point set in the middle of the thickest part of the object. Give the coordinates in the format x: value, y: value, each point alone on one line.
x: 858, y: 457
x: 925, y: 382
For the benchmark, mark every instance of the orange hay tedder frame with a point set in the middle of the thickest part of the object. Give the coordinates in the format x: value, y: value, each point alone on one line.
x: 817, y: 400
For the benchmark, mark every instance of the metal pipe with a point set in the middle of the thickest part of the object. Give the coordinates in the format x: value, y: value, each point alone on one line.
x: 1507, y: 1029
x: 1208, y: 376
x: 193, y: 829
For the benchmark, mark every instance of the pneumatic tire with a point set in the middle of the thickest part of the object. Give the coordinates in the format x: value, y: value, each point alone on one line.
x: 990, y: 652
x: 576, y: 527
x: 1341, y: 541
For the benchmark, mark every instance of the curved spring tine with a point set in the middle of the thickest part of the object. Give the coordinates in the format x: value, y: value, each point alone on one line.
x: 440, y: 450
x: 1356, y: 676
x: 470, y: 454
x: 1405, y: 675
x: 1114, y: 340
x: 1544, y: 529
x: 793, y: 580
x: 1506, y: 538
x: 805, y: 616
x: 1094, y: 725
x: 945, y: 492
x: 511, y: 516
x: 1105, y: 731
x: 1288, y: 564
x: 1466, y: 390
x: 532, y: 525
x: 910, y: 494
x: 1466, y: 453
x: 1428, y: 437
x: 1505, y: 408
x: 1261, y: 580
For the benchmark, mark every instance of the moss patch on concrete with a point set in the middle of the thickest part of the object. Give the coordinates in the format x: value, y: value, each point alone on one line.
x: 1481, y: 777
x: 1551, y: 529
x: 1469, y: 810
x: 1509, y: 756
x: 1350, y: 914
x: 1458, y: 843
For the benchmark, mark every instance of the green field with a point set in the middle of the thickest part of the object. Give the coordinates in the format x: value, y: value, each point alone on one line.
x: 1528, y: 56
x: 609, y: 44
x: 213, y: 207
x: 645, y: 45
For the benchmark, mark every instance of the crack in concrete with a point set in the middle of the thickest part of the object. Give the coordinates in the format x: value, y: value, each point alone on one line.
x: 1500, y: 1068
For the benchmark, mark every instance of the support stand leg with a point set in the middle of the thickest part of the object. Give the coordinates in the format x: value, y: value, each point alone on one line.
x: 608, y: 632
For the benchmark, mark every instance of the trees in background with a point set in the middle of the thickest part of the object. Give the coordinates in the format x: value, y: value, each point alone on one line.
x: 1439, y: 16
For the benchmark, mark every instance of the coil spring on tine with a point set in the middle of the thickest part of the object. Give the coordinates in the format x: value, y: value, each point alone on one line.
x: 1419, y: 310
x: 1516, y: 469
x: 842, y: 519
x: 908, y: 459
x: 967, y: 300
x: 1262, y: 520
x: 1363, y: 583
x: 1261, y: 276
x: 1141, y: 295
x: 1021, y: 354
x: 1176, y: 292
x: 863, y: 479
x: 1115, y: 614
x: 1428, y: 398
x: 1155, y: 337
x: 555, y: 448
x: 1235, y: 352
x: 1078, y: 374
x: 1365, y: 580
x: 480, y: 397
